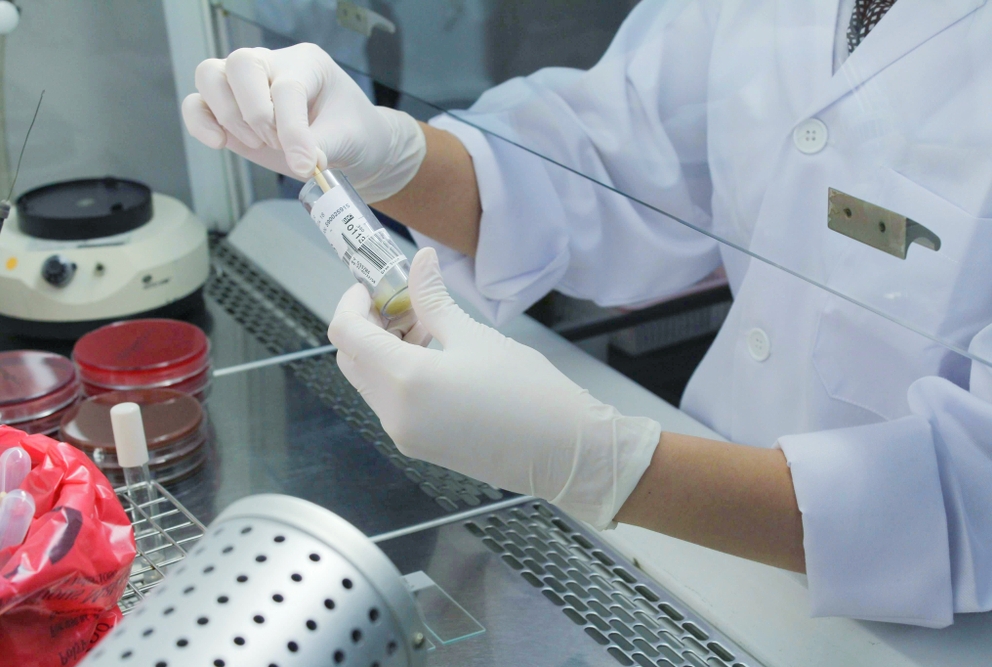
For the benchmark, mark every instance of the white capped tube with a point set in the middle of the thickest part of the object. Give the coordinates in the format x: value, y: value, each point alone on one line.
x: 132, y: 453
x: 129, y: 435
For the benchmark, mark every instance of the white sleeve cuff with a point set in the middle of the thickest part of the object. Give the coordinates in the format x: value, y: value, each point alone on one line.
x: 523, y: 243
x: 875, y: 527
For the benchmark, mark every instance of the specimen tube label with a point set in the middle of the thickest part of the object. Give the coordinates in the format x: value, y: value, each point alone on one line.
x: 369, y: 253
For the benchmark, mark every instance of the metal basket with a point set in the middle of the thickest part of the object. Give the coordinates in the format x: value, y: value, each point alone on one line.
x: 164, y: 533
x: 275, y: 581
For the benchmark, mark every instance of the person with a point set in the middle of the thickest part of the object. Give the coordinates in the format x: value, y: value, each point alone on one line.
x: 860, y: 451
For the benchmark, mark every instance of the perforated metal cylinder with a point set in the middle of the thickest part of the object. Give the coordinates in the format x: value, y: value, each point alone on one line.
x: 276, y: 581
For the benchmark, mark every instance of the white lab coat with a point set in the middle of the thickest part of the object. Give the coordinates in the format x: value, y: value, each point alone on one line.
x: 692, y: 110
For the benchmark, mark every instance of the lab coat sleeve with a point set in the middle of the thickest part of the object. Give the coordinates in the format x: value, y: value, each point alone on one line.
x: 550, y: 149
x: 896, y: 515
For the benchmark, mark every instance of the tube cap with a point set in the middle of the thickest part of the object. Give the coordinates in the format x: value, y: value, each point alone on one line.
x: 129, y: 435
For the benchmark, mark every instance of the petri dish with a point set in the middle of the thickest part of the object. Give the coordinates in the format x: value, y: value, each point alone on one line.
x: 196, y: 386
x: 142, y: 353
x: 175, y: 430
x: 35, y: 385
x: 47, y: 425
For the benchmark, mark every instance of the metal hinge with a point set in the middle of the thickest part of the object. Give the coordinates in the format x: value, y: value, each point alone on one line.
x: 876, y: 226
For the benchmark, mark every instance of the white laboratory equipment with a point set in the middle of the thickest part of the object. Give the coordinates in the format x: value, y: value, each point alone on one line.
x: 78, y: 254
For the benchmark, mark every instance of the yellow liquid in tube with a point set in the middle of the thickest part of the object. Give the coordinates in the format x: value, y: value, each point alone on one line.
x: 391, y: 305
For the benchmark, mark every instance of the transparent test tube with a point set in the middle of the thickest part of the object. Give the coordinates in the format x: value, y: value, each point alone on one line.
x: 362, y: 244
x: 132, y: 454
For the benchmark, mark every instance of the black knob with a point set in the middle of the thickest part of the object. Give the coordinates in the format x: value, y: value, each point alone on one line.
x: 58, y: 271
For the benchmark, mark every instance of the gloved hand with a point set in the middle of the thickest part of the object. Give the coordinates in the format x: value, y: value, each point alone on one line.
x: 292, y: 109
x: 489, y: 407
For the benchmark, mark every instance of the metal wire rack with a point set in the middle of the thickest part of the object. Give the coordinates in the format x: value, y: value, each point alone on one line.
x: 164, y: 532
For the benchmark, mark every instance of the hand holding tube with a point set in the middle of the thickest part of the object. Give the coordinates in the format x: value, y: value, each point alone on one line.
x: 292, y: 109
x: 489, y: 407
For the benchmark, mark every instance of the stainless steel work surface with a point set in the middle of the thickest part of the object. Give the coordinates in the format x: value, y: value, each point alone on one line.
x: 527, y: 586
x: 295, y: 427
x: 522, y: 585
x: 299, y: 429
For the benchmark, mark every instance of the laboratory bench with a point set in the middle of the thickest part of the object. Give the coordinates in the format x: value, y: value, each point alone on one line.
x: 529, y: 584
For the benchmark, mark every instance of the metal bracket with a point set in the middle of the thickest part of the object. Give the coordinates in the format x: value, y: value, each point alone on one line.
x: 362, y: 20
x: 876, y: 226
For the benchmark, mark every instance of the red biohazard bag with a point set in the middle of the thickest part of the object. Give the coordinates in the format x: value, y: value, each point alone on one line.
x: 59, y: 589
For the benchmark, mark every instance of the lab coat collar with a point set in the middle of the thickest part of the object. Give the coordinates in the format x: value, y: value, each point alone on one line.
x: 906, y: 26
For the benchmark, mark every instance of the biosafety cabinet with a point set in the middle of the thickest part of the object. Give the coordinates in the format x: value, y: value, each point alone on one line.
x: 761, y: 199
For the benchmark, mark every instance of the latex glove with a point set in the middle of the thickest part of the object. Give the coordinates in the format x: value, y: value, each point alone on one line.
x: 489, y: 407
x: 292, y: 109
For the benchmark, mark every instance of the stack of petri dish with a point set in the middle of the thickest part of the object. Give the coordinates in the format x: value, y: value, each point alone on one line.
x: 174, y: 428
x: 144, y: 354
x: 36, y: 390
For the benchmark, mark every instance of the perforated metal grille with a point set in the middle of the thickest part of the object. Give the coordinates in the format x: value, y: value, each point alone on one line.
x: 283, y: 325
x: 260, y: 592
x: 269, y: 313
x: 633, y: 619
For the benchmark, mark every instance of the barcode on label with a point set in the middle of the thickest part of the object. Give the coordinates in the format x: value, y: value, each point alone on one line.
x: 373, y: 258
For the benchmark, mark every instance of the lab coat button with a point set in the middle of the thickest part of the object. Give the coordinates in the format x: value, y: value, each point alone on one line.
x: 810, y: 136
x: 758, y: 344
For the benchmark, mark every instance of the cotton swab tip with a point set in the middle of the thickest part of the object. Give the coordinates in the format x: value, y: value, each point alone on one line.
x: 321, y: 181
